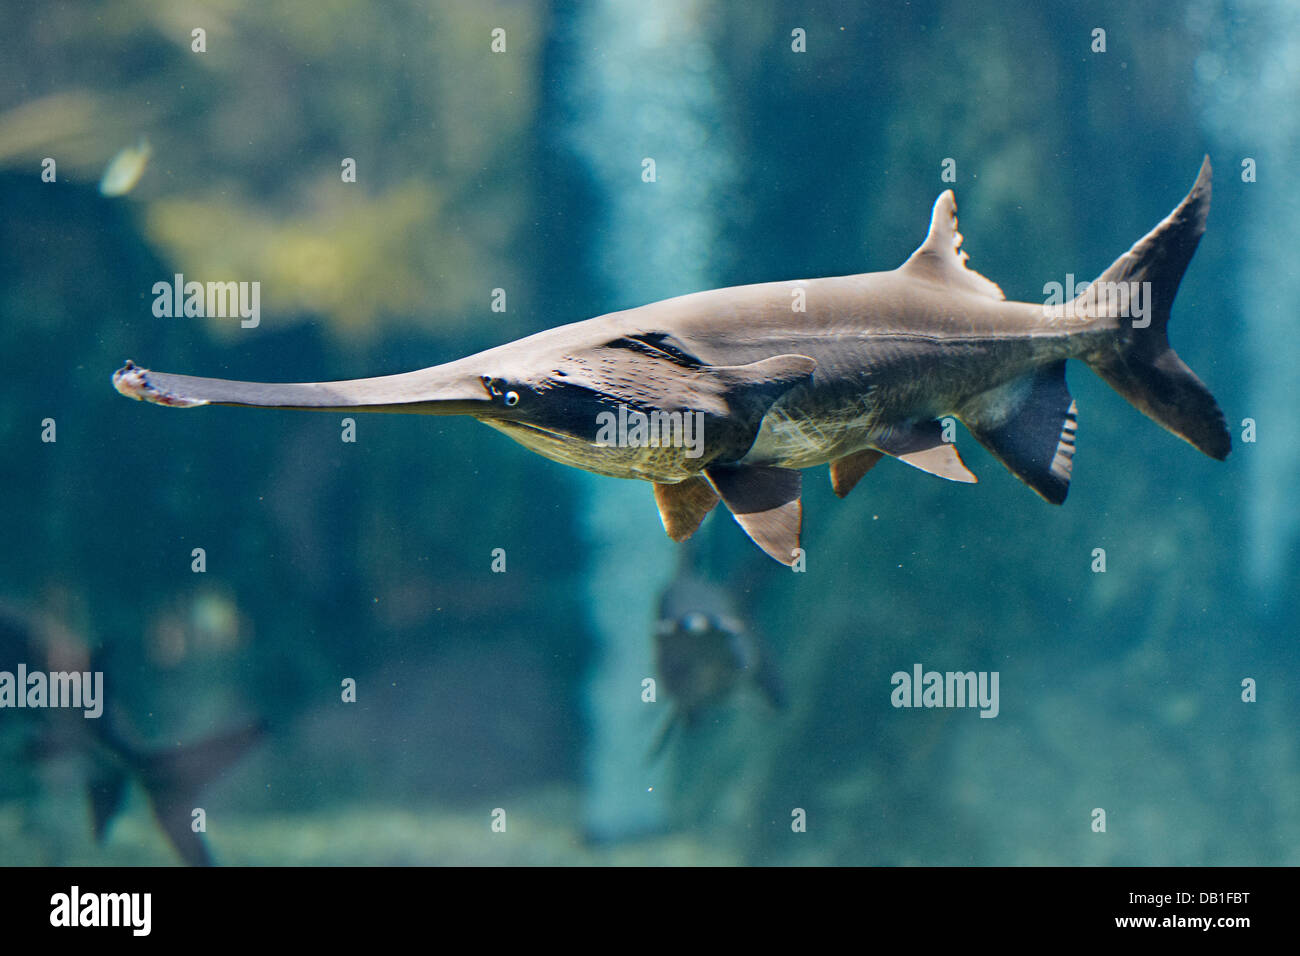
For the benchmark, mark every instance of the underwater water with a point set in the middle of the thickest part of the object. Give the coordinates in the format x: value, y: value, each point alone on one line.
x: 340, y: 637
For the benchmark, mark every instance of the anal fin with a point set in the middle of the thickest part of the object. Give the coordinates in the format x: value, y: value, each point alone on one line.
x: 1029, y: 424
x: 684, y: 506
x: 765, y: 502
x: 921, y: 445
x: 848, y: 471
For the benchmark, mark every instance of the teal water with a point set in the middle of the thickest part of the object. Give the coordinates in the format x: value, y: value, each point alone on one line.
x: 479, y: 691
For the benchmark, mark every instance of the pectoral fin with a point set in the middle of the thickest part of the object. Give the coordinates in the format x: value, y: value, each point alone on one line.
x: 684, y: 506
x: 921, y: 445
x: 656, y: 372
x: 774, y: 375
x: 765, y: 502
x: 847, y: 471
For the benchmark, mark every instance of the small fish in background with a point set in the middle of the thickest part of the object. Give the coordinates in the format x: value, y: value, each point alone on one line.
x: 704, y: 652
x: 172, y: 778
x: 125, y: 169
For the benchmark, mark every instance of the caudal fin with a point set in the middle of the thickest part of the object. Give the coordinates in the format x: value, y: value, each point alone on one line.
x: 173, y: 778
x: 1138, y: 291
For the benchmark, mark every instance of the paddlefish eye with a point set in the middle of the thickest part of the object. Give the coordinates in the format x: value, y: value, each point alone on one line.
x: 493, y: 386
x: 695, y: 622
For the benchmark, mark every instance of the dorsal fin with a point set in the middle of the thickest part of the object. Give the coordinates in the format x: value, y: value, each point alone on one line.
x: 941, y: 259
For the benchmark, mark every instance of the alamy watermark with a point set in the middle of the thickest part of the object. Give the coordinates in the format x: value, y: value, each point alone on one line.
x: 922, y: 688
x: 79, y: 689
x: 633, y: 429
x: 221, y: 300
x: 74, y: 908
x: 1122, y: 300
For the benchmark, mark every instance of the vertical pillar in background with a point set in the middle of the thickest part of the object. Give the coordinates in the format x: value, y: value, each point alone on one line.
x: 1248, y: 67
x: 646, y: 123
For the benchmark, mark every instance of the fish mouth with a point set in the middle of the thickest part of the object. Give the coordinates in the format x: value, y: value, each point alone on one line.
x: 505, y: 424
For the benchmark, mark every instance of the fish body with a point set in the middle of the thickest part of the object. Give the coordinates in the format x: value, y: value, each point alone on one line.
x: 705, y: 652
x: 171, y: 778
x: 730, y: 392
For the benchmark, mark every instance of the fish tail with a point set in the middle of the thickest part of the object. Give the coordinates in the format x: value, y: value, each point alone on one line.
x: 1137, y: 293
x: 173, y: 778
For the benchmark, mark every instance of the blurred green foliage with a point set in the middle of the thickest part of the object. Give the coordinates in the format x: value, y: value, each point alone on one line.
x: 249, y: 138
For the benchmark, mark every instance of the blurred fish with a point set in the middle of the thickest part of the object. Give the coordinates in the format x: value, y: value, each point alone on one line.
x: 171, y: 778
x: 125, y: 169
x: 704, y: 651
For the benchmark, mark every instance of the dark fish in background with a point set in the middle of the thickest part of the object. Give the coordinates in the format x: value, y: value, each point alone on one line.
x: 171, y: 778
x: 705, y: 651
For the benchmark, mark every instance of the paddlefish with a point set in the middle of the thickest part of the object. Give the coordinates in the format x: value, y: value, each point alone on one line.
x: 725, y: 395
